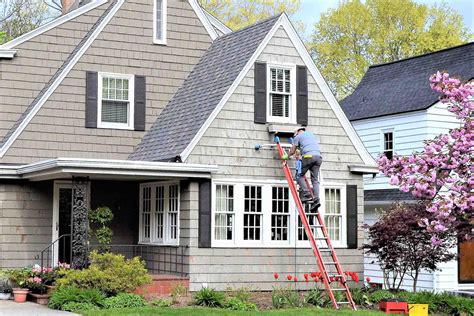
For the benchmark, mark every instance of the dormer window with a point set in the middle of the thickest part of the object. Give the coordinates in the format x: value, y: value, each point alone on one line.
x: 159, y: 22
x: 281, y: 94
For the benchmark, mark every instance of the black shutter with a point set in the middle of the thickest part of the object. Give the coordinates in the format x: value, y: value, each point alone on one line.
x: 140, y: 103
x: 302, y: 95
x: 352, y: 227
x: 205, y: 214
x: 91, y: 99
x: 260, y: 94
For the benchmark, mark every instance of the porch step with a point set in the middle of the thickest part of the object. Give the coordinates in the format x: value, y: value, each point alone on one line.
x: 162, y: 284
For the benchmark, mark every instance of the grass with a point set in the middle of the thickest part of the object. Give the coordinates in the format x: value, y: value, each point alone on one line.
x: 145, y: 311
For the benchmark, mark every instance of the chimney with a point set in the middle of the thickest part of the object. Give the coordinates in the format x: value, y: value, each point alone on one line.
x: 69, y: 5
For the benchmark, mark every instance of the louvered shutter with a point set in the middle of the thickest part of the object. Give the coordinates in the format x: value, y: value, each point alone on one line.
x: 140, y: 103
x: 91, y: 99
x: 352, y: 228
x: 302, y: 95
x: 204, y: 239
x: 260, y: 93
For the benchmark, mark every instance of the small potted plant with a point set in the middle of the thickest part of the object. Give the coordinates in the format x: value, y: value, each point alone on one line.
x: 5, y: 289
x: 19, y: 277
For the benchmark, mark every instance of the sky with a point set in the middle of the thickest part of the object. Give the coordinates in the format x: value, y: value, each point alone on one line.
x: 311, y: 10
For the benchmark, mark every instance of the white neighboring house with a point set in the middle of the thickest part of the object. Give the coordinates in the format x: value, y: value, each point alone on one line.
x: 394, y: 110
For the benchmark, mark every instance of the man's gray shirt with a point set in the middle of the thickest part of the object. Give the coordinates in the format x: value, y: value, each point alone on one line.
x: 307, y: 143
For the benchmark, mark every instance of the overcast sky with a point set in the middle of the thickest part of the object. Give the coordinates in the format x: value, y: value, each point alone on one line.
x: 312, y: 9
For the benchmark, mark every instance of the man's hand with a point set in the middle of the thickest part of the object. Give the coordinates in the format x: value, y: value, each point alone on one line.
x: 285, y: 157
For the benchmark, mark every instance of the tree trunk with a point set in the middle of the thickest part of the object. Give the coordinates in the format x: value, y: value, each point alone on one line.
x: 415, y: 280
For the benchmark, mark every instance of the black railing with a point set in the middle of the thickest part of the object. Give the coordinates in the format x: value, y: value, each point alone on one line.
x: 49, y: 256
x: 158, y: 259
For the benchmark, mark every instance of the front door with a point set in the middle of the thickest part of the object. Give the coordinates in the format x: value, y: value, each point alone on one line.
x: 62, y: 211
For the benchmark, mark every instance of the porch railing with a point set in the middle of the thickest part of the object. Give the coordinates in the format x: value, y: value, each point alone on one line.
x: 159, y: 259
x: 50, y: 256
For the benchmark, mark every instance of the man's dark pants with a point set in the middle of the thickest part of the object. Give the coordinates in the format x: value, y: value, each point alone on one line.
x: 312, y: 164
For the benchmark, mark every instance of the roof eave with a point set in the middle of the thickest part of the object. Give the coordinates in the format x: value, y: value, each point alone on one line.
x: 7, y: 53
x: 364, y: 169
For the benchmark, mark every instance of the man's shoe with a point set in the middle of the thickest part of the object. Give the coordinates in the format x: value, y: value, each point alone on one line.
x: 305, y: 198
x: 316, y: 204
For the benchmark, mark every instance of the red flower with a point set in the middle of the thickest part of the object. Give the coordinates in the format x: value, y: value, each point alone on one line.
x: 306, y: 276
x: 289, y: 278
x: 331, y: 279
x: 355, y: 277
x: 276, y: 276
x: 295, y: 279
x: 316, y: 279
x: 368, y: 279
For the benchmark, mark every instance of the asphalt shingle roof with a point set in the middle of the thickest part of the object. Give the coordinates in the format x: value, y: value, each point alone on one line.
x: 394, y: 195
x: 200, y: 93
x: 403, y: 86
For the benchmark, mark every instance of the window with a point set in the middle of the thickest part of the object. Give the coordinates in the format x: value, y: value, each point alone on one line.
x: 280, y: 213
x: 224, y: 215
x: 116, y: 106
x: 248, y: 213
x: 388, y: 144
x: 281, y: 94
x: 159, y: 22
x: 253, y: 213
x: 159, y: 213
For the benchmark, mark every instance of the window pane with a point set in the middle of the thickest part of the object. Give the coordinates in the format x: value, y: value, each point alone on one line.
x: 146, y: 212
x: 253, y: 212
x: 224, y: 219
x: 159, y: 19
x: 159, y: 211
x: 332, y: 218
x: 115, y: 112
x: 173, y: 203
x: 280, y: 213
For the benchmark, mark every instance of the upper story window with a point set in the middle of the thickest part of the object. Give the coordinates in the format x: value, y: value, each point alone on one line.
x: 115, y: 101
x: 159, y: 22
x: 281, y: 94
x: 388, y: 144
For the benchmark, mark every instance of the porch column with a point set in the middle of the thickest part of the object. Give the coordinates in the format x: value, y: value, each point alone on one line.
x: 79, y: 223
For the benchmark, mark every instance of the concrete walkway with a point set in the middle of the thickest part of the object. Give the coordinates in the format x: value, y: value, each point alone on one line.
x: 10, y: 308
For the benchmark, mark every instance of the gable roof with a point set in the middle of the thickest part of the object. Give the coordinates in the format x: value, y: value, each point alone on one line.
x: 403, y: 86
x: 200, y: 94
x: 192, y: 110
x: 7, y: 51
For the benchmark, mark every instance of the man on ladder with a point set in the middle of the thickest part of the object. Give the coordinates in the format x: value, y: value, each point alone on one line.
x: 310, y: 150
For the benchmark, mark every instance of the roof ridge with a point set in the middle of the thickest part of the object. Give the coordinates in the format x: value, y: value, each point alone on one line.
x: 422, y: 55
x: 252, y: 25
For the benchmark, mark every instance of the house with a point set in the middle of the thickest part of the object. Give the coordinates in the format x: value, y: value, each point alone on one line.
x: 394, y: 110
x: 154, y: 108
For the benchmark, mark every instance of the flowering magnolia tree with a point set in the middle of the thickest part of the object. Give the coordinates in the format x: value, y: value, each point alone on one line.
x: 443, y: 173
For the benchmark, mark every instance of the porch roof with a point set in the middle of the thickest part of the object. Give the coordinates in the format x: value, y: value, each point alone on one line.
x: 60, y: 168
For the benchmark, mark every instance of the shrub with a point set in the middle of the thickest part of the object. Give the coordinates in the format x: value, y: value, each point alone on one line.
x: 68, y: 294
x: 162, y: 303
x: 124, y: 300
x: 286, y: 297
x: 209, y: 297
x: 379, y: 295
x: 316, y: 297
x: 178, y: 291
x: 111, y: 273
x: 361, y: 298
x: 237, y: 304
x: 77, y: 307
x: 443, y: 303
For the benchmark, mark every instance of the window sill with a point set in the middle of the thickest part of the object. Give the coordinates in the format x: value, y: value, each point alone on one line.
x: 160, y: 42
x: 285, y: 128
x: 107, y: 126
x: 157, y: 244
x: 274, y: 246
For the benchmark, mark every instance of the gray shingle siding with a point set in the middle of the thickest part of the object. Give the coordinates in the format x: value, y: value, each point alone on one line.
x: 200, y: 94
x: 403, y: 86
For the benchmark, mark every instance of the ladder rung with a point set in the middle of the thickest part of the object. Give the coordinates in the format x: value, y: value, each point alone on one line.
x: 338, y: 289
x: 325, y: 250
x: 343, y: 302
x: 335, y: 276
x: 321, y: 238
x: 316, y: 226
x: 330, y: 262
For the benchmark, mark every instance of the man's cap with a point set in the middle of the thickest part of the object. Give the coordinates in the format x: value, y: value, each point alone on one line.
x: 301, y: 129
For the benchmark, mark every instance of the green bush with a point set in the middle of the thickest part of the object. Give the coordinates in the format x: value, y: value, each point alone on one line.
x: 316, y: 297
x: 111, y: 273
x: 70, y: 294
x: 125, y: 300
x: 178, y: 291
x: 237, y: 304
x: 286, y: 297
x: 361, y: 297
x: 77, y: 307
x: 209, y: 297
x: 377, y: 296
x: 443, y: 303
x: 162, y: 303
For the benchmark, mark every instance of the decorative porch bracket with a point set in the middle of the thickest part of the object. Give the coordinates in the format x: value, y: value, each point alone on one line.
x: 79, y: 223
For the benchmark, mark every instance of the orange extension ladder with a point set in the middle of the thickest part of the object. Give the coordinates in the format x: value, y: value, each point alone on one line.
x: 326, y: 277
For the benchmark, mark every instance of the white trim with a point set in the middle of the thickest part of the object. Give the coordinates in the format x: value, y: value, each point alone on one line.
x: 364, y: 169
x: 292, y: 104
x: 216, y: 23
x: 7, y: 53
x: 284, y: 22
x: 204, y: 20
x: 131, y: 101
x: 166, y: 240
x: 164, y: 21
x: 56, y: 22
x: 60, y: 78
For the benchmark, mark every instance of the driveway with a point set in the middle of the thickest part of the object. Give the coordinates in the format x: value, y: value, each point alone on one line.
x: 10, y: 308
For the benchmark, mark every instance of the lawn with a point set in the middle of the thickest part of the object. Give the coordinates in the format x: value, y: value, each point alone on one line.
x: 214, y: 311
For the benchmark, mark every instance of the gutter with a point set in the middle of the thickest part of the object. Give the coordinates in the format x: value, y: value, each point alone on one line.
x: 6, y: 53
x: 364, y: 169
